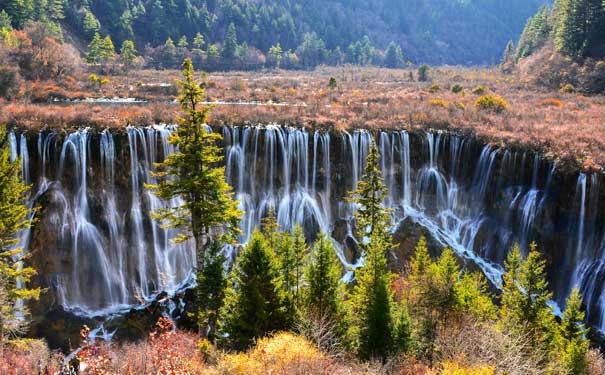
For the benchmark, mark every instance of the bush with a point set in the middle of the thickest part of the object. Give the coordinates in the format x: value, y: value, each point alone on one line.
x: 457, y: 89
x: 492, y: 103
x: 434, y: 88
x: 568, y: 88
x: 451, y: 368
x: 439, y: 103
x: 552, y: 102
x: 479, y: 90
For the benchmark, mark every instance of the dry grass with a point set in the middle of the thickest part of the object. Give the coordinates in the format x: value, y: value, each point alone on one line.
x: 565, y: 126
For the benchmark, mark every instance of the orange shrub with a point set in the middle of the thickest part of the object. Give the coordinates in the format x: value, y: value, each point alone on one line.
x: 552, y: 102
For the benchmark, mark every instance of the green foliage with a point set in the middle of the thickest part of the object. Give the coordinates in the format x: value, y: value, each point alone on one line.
x: 457, y: 89
x: 535, y: 34
x: 312, y: 51
x: 324, y: 291
x: 14, y: 218
x: 332, y: 84
x: 423, y: 73
x: 210, y: 290
x: 254, y: 303
x: 573, y: 332
x: 361, y: 52
x: 371, y: 301
x: 509, y: 53
x: 275, y: 55
x: 128, y: 54
x: 93, y: 56
x: 370, y: 306
x: 371, y: 216
x: 425, y: 28
x: 192, y: 174
x: 230, y: 43
x: 525, y: 298
x: 393, y: 56
x: 199, y: 41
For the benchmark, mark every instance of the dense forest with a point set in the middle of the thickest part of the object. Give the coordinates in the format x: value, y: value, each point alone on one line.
x: 334, y: 31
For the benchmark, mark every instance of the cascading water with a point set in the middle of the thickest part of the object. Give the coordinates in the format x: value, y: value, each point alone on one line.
x: 477, y: 199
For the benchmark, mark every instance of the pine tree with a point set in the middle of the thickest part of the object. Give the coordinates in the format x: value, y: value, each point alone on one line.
x: 573, y: 332
x: 183, y: 44
x: 371, y: 301
x: 509, y: 53
x: 324, y: 291
x: 423, y: 73
x: 371, y: 216
x: 208, y: 212
x: 198, y: 41
x: 230, y: 43
x: 253, y: 304
x: 393, y: 56
x: 572, y: 29
x: 525, y: 298
x: 128, y: 54
x: 210, y: 290
x: 107, y: 51
x: 14, y: 215
x: 93, y: 56
x: 284, y: 251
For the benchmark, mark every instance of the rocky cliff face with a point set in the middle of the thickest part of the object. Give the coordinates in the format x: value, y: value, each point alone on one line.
x: 99, y: 252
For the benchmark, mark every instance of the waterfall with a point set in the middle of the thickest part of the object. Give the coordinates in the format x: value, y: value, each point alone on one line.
x: 107, y: 253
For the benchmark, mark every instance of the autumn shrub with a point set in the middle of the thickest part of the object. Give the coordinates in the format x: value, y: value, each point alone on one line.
x: 26, y: 356
x: 552, y: 102
x: 479, y: 90
x: 568, y: 88
x: 454, y: 368
x: 491, y: 103
x: 434, y: 88
x: 439, y: 103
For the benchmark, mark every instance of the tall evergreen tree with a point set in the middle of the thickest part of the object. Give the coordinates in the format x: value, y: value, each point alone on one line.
x: 572, y: 29
x: 324, y: 291
x: 394, y: 56
x: 191, y: 173
x: 230, y: 43
x: 371, y: 216
x: 128, y: 54
x: 253, y: 304
x: 371, y: 300
x: 93, y: 56
x: 525, y: 298
x: 14, y: 276
x: 208, y: 212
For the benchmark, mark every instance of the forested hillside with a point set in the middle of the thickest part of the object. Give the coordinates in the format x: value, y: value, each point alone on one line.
x: 428, y: 31
x: 561, y: 46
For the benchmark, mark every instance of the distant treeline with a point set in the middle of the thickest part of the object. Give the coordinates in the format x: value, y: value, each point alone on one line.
x: 382, y: 32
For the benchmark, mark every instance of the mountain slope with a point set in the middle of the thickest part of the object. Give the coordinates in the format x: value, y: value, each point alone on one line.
x: 431, y: 31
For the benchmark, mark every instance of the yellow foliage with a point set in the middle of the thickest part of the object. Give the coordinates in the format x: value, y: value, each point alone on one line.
x: 491, y: 103
x: 291, y: 91
x: 434, y: 88
x: 568, y: 89
x: 439, y: 103
x: 273, y: 355
x: 454, y: 368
